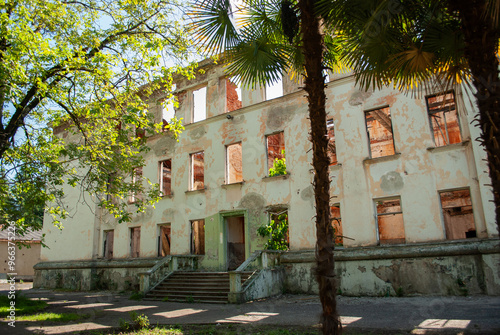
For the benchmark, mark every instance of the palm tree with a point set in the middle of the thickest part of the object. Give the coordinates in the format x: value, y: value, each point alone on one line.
x: 273, y: 37
x: 413, y: 42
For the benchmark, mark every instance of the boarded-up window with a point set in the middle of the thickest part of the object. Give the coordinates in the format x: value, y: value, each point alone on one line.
x: 234, y: 161
x: 135, y: 242
x: 458, y: 215
x: 337, y: 224
x: 200, y: 104
x: 197, y: 171
x: 166, y: 177
x: 379, y: 128
x: 164, y: 240
x: 275, y: 149
x: 390, y: 221
x: 108, y: 244
x: 332, y: 149
x: 233, y: 95
x: 198, y: 237
x: 137, y: 181
x: 274, y: 89
x: 444, y: 119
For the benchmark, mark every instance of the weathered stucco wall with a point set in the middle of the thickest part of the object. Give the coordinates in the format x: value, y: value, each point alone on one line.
x: 415, y: 174
x: 25, y: 259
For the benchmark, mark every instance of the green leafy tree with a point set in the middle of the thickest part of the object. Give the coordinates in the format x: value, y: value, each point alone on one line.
x: 75, y: 77
x: 266, y: 40
x: 418, y: 43
x: 279, y: 166
x: 276, y: 232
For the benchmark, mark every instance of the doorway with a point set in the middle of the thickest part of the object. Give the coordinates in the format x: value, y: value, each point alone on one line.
x: 235, y: 226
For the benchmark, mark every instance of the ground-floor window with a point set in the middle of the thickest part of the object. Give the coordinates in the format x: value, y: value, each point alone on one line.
x: 135, y: 242
x: 108, y: 244
x: 457, y: 214
x: 198, y: 237
x: 390, y: 225
x: 336, y: 220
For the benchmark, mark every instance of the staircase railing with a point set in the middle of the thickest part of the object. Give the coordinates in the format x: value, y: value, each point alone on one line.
x: 267, y: 259
x: 155, y: 274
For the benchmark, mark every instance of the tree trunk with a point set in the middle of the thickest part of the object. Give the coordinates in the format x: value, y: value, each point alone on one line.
x: 312, y: 41
x: 481, y: 45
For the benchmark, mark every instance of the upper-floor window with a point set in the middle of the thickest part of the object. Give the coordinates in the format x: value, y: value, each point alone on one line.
x: 165, y: 177
x: 167, y: 111
x: 276, y: 162
x: 380, y: 135
x: 274, y: 89
x: 200, y: 104
x: 332, y: 149
x: 234, y: 163
x: 233, y: 95
x: 197, y: 162
x: 136, y: 180
x: 443, y: 118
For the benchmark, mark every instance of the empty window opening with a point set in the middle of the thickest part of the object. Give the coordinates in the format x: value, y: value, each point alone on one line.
x: 110, y: 187
x: 326, y: 75
x: 197, y: 171
x: 198, y: 237
x: 444, y: 119
x: 164, y: 235
x: 457, y: 214
x: 274, y: 89
x: 390, y: 221
x: 136, y: 194
x: 167, y: 111
x: 332, y: 149
x: 166, y: 177
x: 108, y: 244
x: 379, y: 128
x: 200, y: 104
x: 135, y: 242
x: 234, y: 160
x: 276, y: 231
x: 337, y: 224
x: 276, y: 154
x: 233, y: 95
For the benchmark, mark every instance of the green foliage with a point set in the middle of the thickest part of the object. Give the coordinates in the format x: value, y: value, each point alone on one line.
x: 136, y: 322
x: 57, y: 317
x: 23, y: 305
x: 279, y: 166
x: 276, y: 232
x: 136, y: 296
x: 70, y: 74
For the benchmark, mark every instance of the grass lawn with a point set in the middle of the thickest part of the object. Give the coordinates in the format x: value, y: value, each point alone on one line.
x: 23, y: 305
x: 59, y: 317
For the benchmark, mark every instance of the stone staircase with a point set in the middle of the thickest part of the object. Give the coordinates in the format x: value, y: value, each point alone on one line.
x: 183, y: 286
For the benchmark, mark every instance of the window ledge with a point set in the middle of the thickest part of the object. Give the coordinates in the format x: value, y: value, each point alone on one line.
x: 233, y: 184
x: 168, y: 196
x: 369, y: 160
x: 281, y: 176
x: 449, y: 146
x: 201, y: 190
x: 335, y: 167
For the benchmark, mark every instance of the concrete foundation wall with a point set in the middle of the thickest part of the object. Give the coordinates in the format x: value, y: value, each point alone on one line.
x: 427, y: 269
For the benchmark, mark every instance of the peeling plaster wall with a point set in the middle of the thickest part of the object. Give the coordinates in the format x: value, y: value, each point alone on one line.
x: 415, y: 174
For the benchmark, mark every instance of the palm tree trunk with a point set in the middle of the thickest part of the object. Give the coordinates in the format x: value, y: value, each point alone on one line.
x: 312, y: 40
x: 481, y: 45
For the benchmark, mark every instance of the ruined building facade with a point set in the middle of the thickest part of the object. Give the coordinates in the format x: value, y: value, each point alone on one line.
x: 408, y: 197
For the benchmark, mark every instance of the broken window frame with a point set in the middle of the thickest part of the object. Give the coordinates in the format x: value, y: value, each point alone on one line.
x: 281, y: 155
x: 200, y: 250
x: 371, y: 140
x: 135, y: 250
x: 199, y: 108
x: 469, y: 209
x: 339, y: 238
x: 228, y: 164
x: 107, y: 250
x: 446, y: 109
x: 161, y: 178
x: 161, y: 252
x: 379, y: 215
x: 193, y: 186
x: 137, y: 174
x: 237, y: 90
x: 332, y: 147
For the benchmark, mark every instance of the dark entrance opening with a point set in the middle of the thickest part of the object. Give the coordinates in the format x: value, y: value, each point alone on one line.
x: 235, y: 241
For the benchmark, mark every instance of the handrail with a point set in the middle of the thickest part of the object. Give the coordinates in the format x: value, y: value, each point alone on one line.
x: 148, y: 279
x: 159, y: 264
x: 249, y: 260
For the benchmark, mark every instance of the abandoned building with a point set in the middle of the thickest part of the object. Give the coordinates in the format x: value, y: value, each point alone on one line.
x: 410, y: 205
